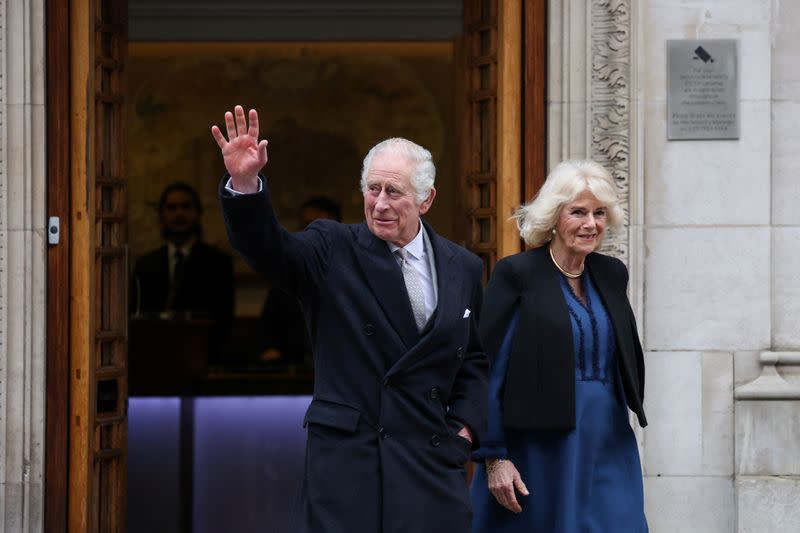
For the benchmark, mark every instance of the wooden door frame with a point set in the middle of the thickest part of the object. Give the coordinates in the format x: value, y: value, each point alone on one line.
x: 503, y: 68
x: 526, y: 166
x: 534, y: 97
x: 56, y: 477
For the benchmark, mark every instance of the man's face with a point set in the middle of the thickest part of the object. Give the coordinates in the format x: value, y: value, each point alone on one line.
x: 390, y: 203
x: 179, y: 216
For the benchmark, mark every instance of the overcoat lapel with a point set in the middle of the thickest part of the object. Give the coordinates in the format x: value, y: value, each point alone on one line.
x: 448, y: 279
x: 450, y: 282
x: 615, y: 306
x: 385, y: 279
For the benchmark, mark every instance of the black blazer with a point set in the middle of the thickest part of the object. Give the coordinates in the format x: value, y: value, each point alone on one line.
x: 382, y: 454
x: 540, y: 382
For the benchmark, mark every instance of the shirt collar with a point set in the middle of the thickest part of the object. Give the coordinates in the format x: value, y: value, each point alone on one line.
x: 186, y: 249
x: 416, y: 248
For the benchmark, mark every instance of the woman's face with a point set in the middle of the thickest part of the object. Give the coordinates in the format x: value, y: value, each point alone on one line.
x: 581, y: 224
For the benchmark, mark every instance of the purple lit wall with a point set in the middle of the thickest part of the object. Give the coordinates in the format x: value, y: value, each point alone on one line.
x: 248, y: 462
x: 153, y: 459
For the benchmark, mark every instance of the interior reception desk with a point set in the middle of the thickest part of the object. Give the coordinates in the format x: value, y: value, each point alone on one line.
x: 211, y: 448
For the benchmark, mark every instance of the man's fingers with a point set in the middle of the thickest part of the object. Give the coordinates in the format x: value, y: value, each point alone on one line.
x: 230, y: 126
x: 262, y: 152
x: 253, y: 130
x: 521, y: 486
x: 241, y: 123
x: 221, y: 142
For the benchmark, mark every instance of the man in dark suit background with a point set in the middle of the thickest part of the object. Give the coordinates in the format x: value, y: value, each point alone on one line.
x: 400, y: 376
x: 184, y: 278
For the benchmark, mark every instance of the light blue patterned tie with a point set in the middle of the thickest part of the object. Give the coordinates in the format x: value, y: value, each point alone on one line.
x: 414, y: 287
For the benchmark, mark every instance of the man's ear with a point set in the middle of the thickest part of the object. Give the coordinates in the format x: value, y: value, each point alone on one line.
x: 426, y: 204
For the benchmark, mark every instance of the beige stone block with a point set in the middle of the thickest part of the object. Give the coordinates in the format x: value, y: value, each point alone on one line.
x: 786, y: 160
x: 786, y: 287
x: 768, y: 504
x: 709, y: 182
x: 689, y: 403
x: 707, y: 289
x: 768, y: 438
x: 785, y: 67
x: 689, y: 504
x: 748, y: 22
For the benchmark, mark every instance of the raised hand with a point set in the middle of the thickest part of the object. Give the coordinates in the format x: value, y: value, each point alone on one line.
x: 504, y: 483
x: 242, y: 152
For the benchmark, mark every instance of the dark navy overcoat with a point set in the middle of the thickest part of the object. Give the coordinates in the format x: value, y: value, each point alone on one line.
x: 382, y: 455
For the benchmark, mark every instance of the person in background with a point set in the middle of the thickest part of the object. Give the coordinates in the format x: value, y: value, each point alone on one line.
x: 566, y: 365
x: 283, y: 335
x: 186, y: 277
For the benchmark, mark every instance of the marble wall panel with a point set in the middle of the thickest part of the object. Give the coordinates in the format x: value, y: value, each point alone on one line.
x: 689, y: 403
x: 707, y: 289
x: 689, y: 504
x: 768, y: 438
x: 754, y: 55
x: 786, y: 159
x: 786, y: 285
x: 725, y: 182
x: 767, y: 505
x: 786, y: 39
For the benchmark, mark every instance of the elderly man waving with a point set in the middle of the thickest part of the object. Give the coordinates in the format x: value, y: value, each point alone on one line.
x: 400, y: 388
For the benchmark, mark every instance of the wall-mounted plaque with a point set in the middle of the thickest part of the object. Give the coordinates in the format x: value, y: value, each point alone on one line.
x: 702, y: 89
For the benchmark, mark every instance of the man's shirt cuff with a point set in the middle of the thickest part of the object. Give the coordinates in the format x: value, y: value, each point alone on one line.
x: 230, y: 189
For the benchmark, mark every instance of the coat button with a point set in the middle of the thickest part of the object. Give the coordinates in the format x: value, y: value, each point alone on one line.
x: 369, y: 328
x: 460, y: 352
x: 435, y: 440
x: 435, y: 393
x: 383, y: 434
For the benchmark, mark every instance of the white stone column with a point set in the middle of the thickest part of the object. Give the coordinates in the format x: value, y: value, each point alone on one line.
x: 22, y: 264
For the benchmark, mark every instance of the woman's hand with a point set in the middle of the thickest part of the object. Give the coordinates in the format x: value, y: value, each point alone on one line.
x: 504, y: 482
x: 244, y: 155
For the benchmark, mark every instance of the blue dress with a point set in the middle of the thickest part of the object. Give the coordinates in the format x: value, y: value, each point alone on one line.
x: 587, y: 480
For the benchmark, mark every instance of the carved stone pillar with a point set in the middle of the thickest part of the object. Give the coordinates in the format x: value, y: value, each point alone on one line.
x: 22, y: 264
x: 592, y: 108
x: 590, y: 92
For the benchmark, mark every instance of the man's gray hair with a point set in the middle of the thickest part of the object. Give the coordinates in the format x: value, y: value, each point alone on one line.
x: 424, y: 170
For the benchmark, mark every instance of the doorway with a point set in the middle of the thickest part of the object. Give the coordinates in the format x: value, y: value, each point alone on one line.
x: 482, y: 181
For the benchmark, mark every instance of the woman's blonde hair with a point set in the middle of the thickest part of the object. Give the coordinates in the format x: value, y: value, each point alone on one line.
x: 567, y: 180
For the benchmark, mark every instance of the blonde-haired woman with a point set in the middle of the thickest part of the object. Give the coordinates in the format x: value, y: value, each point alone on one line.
x: 560, y: 456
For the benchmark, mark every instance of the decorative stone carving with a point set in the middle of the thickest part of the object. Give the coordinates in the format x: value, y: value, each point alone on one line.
x: 610, y: 103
